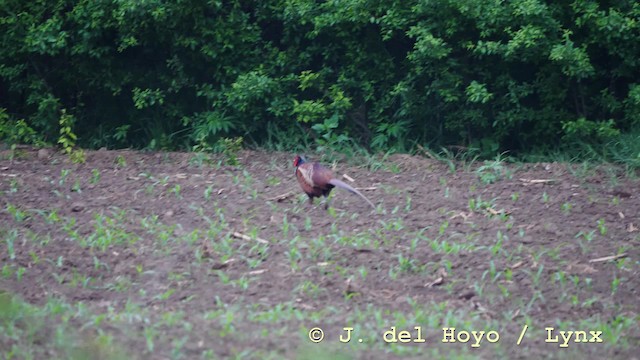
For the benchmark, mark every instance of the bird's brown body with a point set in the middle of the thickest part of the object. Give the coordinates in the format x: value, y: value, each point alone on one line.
x: 317, y: 180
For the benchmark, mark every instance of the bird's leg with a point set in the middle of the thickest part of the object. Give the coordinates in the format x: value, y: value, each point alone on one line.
x: 310, y: 200
x: 326, y: 202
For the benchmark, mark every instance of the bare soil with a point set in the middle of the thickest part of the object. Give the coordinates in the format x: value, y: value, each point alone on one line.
x: 531, y: 248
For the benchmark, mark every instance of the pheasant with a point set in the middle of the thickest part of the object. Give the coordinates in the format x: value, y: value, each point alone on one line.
x: 316, y: 180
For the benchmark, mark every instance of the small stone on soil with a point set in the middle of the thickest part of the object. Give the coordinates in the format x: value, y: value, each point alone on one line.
x: 44, y: 154
x: 77, y: 207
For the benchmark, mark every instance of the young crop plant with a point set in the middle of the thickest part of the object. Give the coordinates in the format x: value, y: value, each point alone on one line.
x: 95, y: 176
x: 230, y: 148
x: 199, y: 159
x: 120, y: 161
x: 67, y: 138
x: 17, y: 214
x: 545, y: 197
x: 13, y: 186
x: 602, y: 228
x: 493, y: 171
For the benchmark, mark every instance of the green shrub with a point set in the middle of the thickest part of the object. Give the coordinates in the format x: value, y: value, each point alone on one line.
x: 386, y: 76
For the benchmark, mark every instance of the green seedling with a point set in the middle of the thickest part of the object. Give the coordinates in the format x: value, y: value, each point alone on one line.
x: 95, y: 176
x: 602, y: 228
x: 120, y: 161
x: 545, y: 197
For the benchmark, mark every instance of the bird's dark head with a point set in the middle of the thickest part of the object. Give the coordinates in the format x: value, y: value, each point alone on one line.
x: 298, y: 160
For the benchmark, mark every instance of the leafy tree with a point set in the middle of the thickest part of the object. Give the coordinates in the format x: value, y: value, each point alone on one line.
x: 387, y: 75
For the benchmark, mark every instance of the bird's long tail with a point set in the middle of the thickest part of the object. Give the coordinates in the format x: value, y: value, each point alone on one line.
x: 338, y: 183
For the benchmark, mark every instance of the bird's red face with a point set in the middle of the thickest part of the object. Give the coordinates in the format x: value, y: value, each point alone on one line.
x: 296, y: 161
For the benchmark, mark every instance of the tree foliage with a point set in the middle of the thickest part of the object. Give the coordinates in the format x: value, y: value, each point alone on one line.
x: 493, y: 75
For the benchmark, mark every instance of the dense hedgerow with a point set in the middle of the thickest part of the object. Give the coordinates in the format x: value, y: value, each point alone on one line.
x: 523, y: 75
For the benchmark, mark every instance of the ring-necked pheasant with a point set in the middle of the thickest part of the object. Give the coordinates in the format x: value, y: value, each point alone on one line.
x: 316, y: 180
